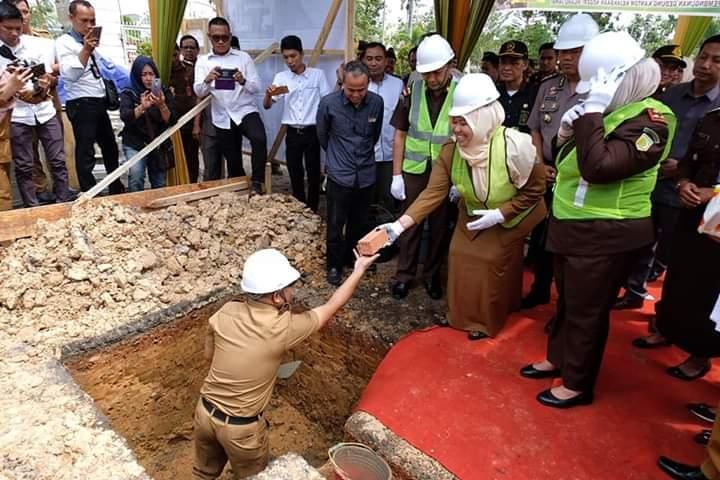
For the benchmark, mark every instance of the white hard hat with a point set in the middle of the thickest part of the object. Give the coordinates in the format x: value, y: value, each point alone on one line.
x: 473, y: 91
x: 614, y: 52
x: 576, y: 32
x: 267, y: 271
x: 433, y: 53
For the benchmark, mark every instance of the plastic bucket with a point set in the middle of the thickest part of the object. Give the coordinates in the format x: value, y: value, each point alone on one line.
x: 355, y: 461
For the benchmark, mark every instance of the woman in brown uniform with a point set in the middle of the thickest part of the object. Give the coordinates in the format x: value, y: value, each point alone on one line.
x: 607, y: 169
x: 501, y: 189
x: 692, y: 282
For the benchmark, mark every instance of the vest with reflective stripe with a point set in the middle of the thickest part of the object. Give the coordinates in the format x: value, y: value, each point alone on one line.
x: 576, y: 199
x: 423, y: 142
x: 500, y: 187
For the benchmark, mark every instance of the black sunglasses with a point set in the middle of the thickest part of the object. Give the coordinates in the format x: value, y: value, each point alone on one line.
x: 220, y: 38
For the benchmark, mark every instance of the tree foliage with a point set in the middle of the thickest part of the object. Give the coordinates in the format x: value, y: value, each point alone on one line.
x: 44, y: 17
x: 368, y: 19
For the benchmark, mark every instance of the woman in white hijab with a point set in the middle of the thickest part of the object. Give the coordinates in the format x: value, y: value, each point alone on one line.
x: 611, y: 147
x: 501, y: 189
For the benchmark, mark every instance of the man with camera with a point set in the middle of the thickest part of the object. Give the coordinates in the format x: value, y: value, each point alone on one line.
x: 86, y: 94
x: 34, y: 110
x: 229, y: 75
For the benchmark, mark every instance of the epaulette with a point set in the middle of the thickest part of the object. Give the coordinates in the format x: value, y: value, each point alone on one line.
x: 656, y: 117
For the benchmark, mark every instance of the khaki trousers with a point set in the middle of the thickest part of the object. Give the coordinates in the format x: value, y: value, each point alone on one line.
x: 246, y: 447
x: 5, y: 186
x: 711, y: 467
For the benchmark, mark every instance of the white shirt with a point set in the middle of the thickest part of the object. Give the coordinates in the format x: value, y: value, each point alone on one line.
x: 390, y: 89
x: 234, y: 104
x: 79, y: 80
x: 303, y: 98
x: 33, y: 50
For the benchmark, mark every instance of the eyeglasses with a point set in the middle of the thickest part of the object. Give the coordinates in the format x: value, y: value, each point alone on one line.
x: 220, y: 38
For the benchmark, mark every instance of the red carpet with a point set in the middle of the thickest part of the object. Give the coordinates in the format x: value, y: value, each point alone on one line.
x: 464, y: 404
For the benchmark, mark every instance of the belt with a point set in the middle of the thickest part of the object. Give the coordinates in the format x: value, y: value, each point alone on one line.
x: 87, y: 100
x: 301, y: 130
x: 215, y: 412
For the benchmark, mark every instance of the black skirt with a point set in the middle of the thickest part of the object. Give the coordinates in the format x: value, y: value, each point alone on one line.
x: 691, y: 288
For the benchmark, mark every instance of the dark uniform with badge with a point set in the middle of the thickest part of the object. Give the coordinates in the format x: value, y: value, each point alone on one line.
x: 671, y: 62
x: 601, y: 220
x: 555, y: 97
x: 692, y: 282
x: 518, y: 104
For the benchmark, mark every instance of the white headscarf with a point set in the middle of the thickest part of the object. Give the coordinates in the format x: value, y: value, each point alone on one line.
x: 641, y: 81
x: 520, y: 151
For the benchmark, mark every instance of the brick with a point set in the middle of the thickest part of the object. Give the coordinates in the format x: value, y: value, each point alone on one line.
x: 371, y: 243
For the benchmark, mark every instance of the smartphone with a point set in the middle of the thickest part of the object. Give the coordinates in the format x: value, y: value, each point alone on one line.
x: 38, y: 70
x: 281, y: 89
x: 96, y: 32
x: 156, y: 88
x: 226, y: 80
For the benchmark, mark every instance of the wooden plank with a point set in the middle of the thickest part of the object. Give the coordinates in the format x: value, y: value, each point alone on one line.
x: 349, y: 30
x: 197, y: 195
x: 21, y: 222
x: 267, y: 53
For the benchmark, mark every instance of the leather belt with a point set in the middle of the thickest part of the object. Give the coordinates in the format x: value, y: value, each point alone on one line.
x: 214, y: 411
x: 301, y: 130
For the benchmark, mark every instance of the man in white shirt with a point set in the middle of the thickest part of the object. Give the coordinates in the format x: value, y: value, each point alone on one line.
x: 301, y: 87
x: 34, y: 110
x: 390, y: 88
x: 85, y: 104
x: 229, y: 75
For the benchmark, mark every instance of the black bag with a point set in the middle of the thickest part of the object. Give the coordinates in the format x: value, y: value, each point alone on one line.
x: 112, y: 98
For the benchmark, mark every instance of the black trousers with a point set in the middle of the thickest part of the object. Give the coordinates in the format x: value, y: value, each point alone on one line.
x: 588, y: 287
x: 347, y: 221
x: 654, y: 257
x: 230, y: 140
x: 91, y: 124
x: 191, y: 148
x: 302, y: 143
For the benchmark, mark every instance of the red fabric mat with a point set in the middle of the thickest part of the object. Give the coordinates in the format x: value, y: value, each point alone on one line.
x: 464, y: 404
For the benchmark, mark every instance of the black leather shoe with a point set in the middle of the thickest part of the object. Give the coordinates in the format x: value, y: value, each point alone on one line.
x: 703, y: 438
x: 629, y: 302
x: 434, y: 288
x: 257, y: 188
x: 703, y: 411
x: 679, y: 374
x: 529, y: 371
x: 534, y: 299
x: 474, y: 336
x: 680, y: 471
x: 644, y: 344
x: 400, y: 290
x: 334, y: 276
x: 549, y: 400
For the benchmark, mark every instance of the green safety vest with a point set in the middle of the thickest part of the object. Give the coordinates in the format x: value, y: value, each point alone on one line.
x: 576, y: 199
x: 500, y: 187
x: 423, y: 142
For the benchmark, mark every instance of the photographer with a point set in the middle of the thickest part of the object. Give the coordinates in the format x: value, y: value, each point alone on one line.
x: 229, y: 75
x: 34, y: 111
x: 147, y: 110
x: 12, y: 81
x: 86, y: 95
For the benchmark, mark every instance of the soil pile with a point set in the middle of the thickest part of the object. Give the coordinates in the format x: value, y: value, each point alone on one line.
x: 84, y: 276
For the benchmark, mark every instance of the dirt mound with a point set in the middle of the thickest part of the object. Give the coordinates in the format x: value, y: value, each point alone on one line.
x: 83, y: 276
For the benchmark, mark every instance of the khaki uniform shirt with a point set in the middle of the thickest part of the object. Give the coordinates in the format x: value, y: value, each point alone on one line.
x: 250, y: 339
x: 554, y: 98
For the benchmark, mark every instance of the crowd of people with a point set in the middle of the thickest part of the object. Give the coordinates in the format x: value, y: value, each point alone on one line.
x: 600, y: 161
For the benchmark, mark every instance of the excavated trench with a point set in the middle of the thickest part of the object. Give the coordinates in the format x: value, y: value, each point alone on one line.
x: 148, y: 386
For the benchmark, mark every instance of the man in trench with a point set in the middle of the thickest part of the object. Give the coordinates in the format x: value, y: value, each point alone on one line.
x: 246, y: 342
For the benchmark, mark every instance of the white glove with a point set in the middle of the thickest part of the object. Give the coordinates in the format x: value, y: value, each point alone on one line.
x: 602, y: 90
x: 394, y: 230
x: 454, y: 194
x: 488, y: 218
x: 567, y: 129
x: 397, y: 188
